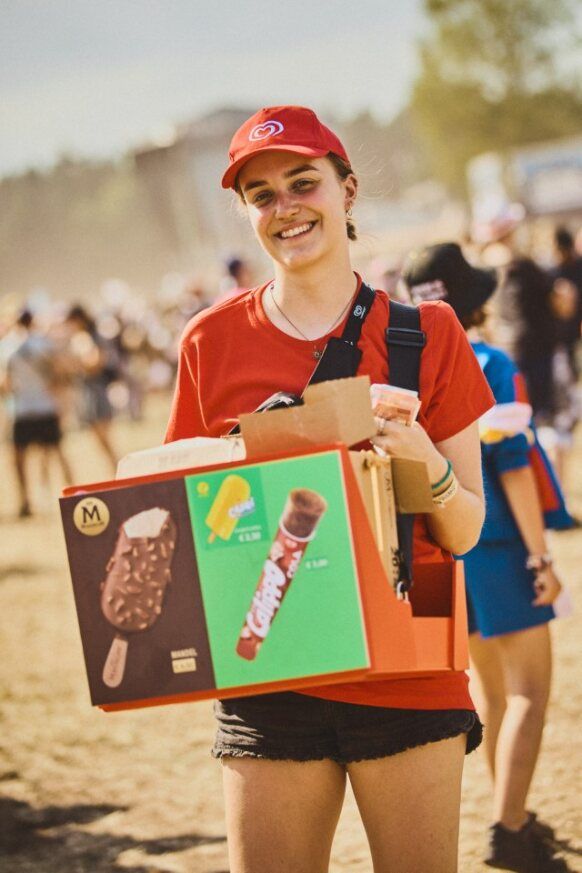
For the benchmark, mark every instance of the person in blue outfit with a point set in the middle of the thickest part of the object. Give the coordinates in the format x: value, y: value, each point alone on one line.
x: 512, y: 587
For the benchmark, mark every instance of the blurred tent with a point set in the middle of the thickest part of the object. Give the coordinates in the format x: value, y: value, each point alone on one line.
x: 182, y: 180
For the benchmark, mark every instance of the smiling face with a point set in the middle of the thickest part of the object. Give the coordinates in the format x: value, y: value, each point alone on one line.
x: 297, y: 206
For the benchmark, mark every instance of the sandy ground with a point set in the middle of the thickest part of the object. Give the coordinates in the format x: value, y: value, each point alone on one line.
x: 86, y: 792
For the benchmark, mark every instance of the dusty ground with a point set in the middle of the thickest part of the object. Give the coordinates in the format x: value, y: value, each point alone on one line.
x: 85, y: 792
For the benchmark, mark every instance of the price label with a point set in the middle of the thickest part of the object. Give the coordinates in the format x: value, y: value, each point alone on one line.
x: 316, y: 563
x: 250, y: 536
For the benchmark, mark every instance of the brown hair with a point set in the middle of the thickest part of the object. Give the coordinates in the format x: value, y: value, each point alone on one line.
x: 477, y: 318
x: 343, y: 170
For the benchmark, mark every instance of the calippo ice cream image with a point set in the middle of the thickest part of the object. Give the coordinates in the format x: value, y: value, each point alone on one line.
x: 297, y: 527
x: 138, y: 573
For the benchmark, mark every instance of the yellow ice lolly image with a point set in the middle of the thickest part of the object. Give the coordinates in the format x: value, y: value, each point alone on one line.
x: 223, y: 516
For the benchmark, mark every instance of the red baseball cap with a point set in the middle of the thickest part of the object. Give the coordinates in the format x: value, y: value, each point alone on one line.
x: 283, y: 129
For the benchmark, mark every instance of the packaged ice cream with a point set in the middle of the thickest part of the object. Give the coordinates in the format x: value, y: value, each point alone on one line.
x: 180, y: 455
x: 138, y: 572
x: 395, y: 404
x: 297, y: 527
x: 505, y: 420
x: 228, y: 506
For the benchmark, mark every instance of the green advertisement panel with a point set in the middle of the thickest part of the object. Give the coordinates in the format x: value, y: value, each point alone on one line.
x: 277, y: 570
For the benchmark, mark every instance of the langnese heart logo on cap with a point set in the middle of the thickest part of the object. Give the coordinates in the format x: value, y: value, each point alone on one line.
x: 264, y: 131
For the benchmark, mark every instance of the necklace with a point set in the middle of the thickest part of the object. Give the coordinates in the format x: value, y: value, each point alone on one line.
x: 317, y: 353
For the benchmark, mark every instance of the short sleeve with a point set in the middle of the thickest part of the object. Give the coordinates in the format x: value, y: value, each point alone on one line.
x: 453, y: 390
x: 508, y: 386
x: 511, y: 453
x: 186, y: 418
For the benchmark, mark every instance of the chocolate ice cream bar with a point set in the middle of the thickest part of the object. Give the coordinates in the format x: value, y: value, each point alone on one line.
x: 302, y: 513
x: 138, y: 572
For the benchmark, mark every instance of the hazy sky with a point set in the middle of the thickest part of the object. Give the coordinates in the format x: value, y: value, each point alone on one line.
x: 96, y: 77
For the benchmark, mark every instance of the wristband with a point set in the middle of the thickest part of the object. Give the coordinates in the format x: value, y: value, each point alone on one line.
x: 441, y: 499
x: 539, y: 562
x: 442, y: 481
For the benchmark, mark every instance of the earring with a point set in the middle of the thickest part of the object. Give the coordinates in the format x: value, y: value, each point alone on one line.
x: 349, y: 212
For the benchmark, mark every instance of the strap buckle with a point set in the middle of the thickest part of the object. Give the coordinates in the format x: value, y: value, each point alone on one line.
x: 402, y: 591
x: 405, y: 336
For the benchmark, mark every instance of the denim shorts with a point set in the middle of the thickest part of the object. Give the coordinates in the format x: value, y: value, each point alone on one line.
x: 288, y: 726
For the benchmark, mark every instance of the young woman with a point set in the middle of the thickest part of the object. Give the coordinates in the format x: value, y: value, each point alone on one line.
x: 511, y: 583
x: 96, y: 362
x: 401, y: 743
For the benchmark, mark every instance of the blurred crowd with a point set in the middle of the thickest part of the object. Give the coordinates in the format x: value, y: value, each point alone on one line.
x: 535, y: 316
x: 82, y: 364
x: 66, y: 366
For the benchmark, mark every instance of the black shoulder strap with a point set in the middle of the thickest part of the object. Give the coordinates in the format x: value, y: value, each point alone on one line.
x: 405, y: 342
x: 342, y: 356
x: 360, y: 309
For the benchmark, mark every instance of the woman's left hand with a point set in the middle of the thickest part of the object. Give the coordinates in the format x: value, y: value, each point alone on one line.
x: 412, y: 442
x: 547, y: 587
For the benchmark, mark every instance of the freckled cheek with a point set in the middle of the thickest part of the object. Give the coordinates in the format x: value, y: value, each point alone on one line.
x: 329, y: 210
x: 259, y: 223
x: 314, y: 201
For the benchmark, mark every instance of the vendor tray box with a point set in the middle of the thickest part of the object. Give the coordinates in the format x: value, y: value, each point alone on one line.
x: 179, y: 555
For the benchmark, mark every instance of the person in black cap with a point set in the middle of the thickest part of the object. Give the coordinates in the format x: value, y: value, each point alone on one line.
x: 440, y: 272
x: 512, y: 588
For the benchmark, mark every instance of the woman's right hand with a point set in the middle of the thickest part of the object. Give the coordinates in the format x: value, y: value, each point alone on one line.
x: 547, y: 587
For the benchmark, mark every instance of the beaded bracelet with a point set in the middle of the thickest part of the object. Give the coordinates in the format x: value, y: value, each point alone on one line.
x: 449, y: 492
x: 445, y: 487
x: 444, y: 481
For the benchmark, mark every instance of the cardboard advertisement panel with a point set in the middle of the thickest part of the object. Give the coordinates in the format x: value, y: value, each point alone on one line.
x: 318, y: 627
x: 172, y: 654
x: 176, y: 603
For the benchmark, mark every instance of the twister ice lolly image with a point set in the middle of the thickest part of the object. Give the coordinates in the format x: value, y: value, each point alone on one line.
x: 138, y: 572
x: 225, y: 511
x: 301, y: 515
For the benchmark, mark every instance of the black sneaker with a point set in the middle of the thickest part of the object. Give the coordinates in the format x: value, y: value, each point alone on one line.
x: 524, y: 851
x: 541, y: 828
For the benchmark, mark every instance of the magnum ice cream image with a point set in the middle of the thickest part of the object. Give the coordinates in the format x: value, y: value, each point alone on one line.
x: 228, y: 506
x: 138, y: 572
x: 297, y: 527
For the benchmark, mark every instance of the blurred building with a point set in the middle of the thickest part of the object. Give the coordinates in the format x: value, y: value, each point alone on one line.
x: 546, y: 178
x: 182, y: 179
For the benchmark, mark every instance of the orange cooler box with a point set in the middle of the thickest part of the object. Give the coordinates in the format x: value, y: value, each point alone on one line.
x: 202, y: 583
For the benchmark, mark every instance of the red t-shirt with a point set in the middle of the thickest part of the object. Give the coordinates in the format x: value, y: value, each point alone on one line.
x: 232, y: 358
